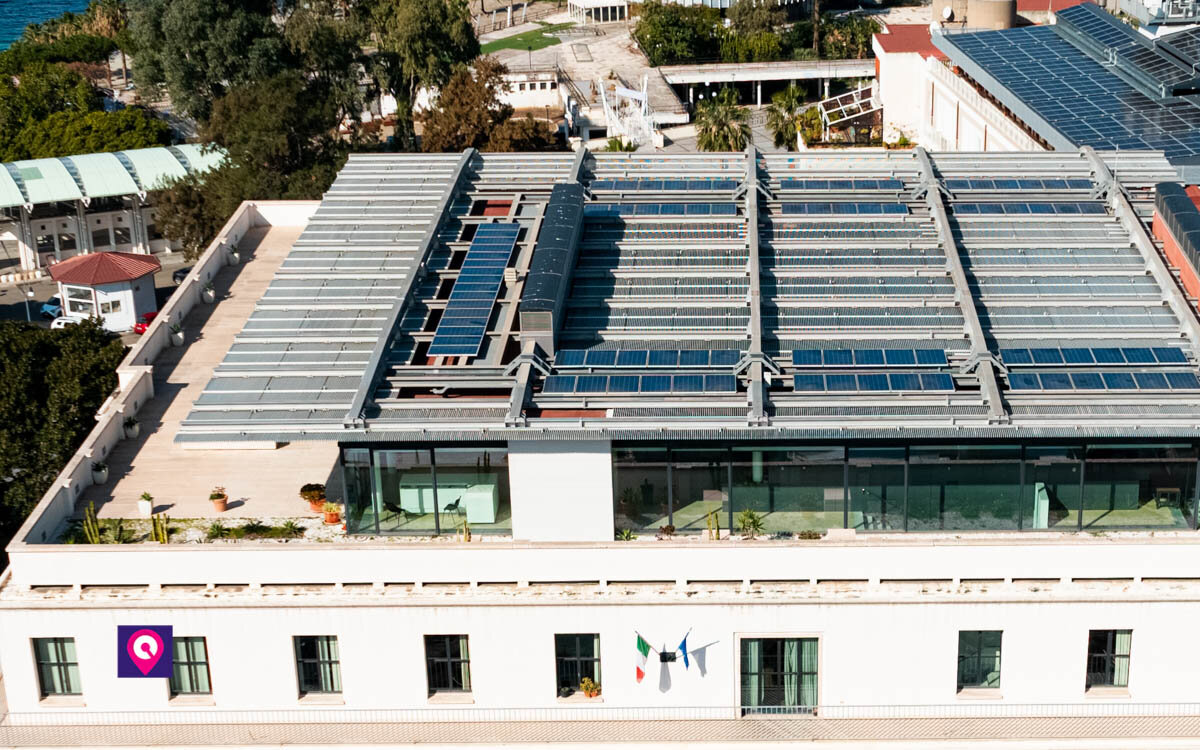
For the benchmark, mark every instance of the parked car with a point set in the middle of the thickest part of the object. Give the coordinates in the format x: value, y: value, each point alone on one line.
x: 63, y: 322
x: 147, y: 318
x: 180, y: 274
x: 52, y: 308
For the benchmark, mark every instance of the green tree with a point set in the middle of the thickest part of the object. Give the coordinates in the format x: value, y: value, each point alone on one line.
x: 721, y: 125
x: 196, y: 50
x: 74, y: 132
x: 78, y: 48
x: 848, y: 37
x: 420, y: 44
x: 783, y: 114
x: 523, y: 134
x: 670, y: 33
x: 327, y: 42
x: 756, y: 16
x: 762, y: 46
x: 39, y: 91
x: 55, y: 381
x: 467, y: 109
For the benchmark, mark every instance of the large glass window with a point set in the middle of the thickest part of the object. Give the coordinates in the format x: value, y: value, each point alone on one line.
x: 80, y: 301
x: 1108, y: 658
x: 779, y: 675
x: 189, y: 675
x: 404, y: 493
x: 1136, y: 485
x: 576, y: 655
x: 979, y: 658
x: 1052, y: 489
x: 700, y: 488
x: 472, y: 488
x: 792, y: 489
x: 641, y: 488
x: 964, y: 488
x: 876, y: 488
x: 356, y: 478
x: 318, y: 668
x: 57, y: 666
x: 447, y: 663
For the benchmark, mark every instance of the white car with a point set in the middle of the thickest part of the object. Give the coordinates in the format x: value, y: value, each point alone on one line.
x: 63, y: 322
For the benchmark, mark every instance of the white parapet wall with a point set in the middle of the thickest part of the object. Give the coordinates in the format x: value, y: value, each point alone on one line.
x: 956, y: 117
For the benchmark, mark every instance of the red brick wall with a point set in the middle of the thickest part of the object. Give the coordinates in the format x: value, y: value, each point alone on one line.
x: 1175, y: 256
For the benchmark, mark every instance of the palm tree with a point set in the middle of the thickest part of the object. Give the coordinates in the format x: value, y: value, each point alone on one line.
x: 721, y: 125
x: 783, y: 114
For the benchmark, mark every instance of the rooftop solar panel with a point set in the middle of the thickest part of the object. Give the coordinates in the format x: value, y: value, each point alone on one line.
x: 463, y: 325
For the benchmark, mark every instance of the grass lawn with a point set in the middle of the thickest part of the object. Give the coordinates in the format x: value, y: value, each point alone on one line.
x: 536, y: 39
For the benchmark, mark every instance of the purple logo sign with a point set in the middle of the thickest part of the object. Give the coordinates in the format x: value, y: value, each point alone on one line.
x: 144, y: 650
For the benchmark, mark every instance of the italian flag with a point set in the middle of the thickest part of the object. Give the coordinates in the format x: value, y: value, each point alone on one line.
x: 643, y: 650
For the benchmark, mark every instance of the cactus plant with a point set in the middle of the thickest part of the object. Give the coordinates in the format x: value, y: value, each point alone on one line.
x: 160, y: 530
x: 91, y: 526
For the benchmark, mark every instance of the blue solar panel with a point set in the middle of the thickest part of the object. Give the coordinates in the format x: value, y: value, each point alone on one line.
x: 463, y: 324
x: 656, y: 383
x: 808, y: 382
x: 693, y: 358
x: 1183, y: 381
x: 840, y: 383
x: 623, y: 383
x: 828, y: 209
x: 1056, y: 381
x: 904, y: 381
x: 1108, y: 356
x: 1046, y: 356
x: 936, y: 381
x: 1077, y: 356
x: 687, y: 383
x: 1076, y: 208
x: 725, y: 357
x: 1138, y: 355
x: 1122, y: 381
x: 720, y: 383
x: 872, y: 382
x: 838, y: 357
x: 868, y: 357
x: 1169, y: 355
x: 1024, y: 381
x: 664, y: 358
x: 806, y: 357
x: 931, y: 357
x: 900, y: 356
x: 1149, y: 381
x: 1087, y: 381
x: 601, y: 357
x: 559, y: 384
x: 631, y: 358
x: 591, y: 384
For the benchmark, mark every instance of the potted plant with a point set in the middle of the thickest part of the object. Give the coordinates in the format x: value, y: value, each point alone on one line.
x: 219, y: 499
x: 314, y: 495
x: 176, y: 334
x: 132, y: 428
x: 234, y: 256
x: 589, y: 687
x: 146, y: 504
x: 208, y: 293
x: 99, y: 472
x: 333, y: 513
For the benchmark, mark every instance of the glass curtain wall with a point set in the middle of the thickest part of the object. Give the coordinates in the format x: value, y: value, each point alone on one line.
x: 788, y: 490
x: 426, y: 491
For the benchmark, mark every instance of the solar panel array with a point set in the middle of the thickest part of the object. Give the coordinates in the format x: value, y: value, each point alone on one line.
x: 1018, y: 183
x: 690, y: 186
x: 640, y: 384
x: 1103, y: 381
x: 1081, y: 99
x: 860, y: 208
x: 1142, y: 355
x: 595, y: 210
x: 646, y: 358
x: 869, y: 357
x: 884, y: 183
x: 873, y: 382
x: 462, y: 327
x: 1025, y: 209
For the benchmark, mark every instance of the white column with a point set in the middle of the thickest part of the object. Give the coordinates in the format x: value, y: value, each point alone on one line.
x: 561, y: 492
x: 83, y: 235
x: 758, y: 93
x: 26, y: 243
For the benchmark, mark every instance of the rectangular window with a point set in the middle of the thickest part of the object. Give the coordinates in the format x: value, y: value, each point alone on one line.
x: 57, y: 666
x: 101, y: 238
x: 779, y: 675
x: 121, y: 235
x: 448, y: 663
x: 576, y: 655
x: 317, y: 666
x: 110, y: 306
x: 1108, y: 658
x: 979, y: 658
x: 190, y: 672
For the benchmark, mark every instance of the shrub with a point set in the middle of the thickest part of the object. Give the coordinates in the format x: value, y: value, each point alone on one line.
x: 312, y: 492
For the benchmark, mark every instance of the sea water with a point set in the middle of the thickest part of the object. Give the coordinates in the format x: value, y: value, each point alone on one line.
x: 15, y: 15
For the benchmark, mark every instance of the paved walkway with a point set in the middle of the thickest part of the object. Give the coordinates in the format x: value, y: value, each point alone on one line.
x: 1126, y: 732
x: 180, y: 479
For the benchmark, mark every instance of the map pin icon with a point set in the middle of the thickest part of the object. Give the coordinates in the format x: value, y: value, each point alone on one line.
x: 145, y: 648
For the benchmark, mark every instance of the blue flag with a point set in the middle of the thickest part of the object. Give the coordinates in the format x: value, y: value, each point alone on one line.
x: 683, y: 648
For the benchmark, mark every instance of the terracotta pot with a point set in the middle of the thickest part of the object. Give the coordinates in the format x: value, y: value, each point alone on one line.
x: 334, y: 517
x: 317, y: 506
x: 219, y: 504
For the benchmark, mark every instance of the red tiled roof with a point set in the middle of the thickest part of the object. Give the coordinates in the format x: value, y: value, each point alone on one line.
x: 104, y: 268
x: 908, y: 37
x: 1034, y: 6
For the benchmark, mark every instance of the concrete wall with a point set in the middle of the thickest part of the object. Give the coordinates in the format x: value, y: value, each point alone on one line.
x: 900, y: 75
x: 870, y: 653
x: 956, y: 117
x: 561, y: 491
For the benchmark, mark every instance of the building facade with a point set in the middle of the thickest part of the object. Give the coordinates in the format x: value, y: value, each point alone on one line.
x: 725, y: 434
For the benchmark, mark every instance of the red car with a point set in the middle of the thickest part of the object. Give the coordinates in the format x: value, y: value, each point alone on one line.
x: 144, y: 323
